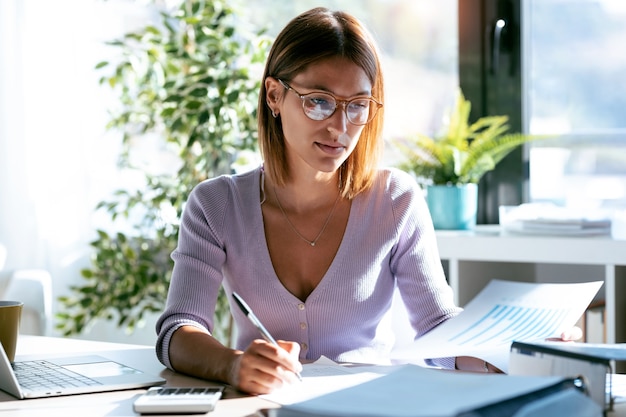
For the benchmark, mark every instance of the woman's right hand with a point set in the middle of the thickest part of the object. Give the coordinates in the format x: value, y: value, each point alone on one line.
x: 264, y: 367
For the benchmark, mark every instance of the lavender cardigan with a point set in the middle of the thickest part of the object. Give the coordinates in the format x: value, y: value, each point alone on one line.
x: 389, y: 241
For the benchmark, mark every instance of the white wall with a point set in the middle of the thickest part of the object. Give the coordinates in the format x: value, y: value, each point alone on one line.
x: 56, y: 159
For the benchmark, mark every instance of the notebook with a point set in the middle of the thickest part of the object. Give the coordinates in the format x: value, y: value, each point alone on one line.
x: 69, y: 375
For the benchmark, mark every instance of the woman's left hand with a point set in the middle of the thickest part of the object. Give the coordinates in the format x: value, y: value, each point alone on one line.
x: 472, y: 364
x: 571, y: 335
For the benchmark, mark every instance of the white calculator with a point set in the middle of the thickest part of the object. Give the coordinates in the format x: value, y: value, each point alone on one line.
x: 170, y: 400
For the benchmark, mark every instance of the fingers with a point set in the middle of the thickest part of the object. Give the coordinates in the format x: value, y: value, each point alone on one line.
x: 293, y: 349
x: 571, y: 335
x: 575, y: 333
x: 264, y: 367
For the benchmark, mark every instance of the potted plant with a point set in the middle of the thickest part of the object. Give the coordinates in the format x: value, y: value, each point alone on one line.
x: 450, y: 166
x: 188, y: 85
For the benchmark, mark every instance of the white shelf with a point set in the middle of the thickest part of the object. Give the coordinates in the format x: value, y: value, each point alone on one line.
x: 475, y: 257
x: 489, y: 244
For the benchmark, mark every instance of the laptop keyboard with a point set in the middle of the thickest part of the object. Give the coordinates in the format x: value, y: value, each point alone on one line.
x: 42, y: 375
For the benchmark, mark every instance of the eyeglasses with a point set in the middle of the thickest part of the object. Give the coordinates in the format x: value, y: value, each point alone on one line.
x: 318, y: 105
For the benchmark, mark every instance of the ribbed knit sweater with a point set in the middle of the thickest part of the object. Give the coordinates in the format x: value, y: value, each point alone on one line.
x: 389, y: 242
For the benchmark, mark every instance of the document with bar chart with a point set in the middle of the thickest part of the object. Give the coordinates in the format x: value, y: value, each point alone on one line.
x: 507, y: 311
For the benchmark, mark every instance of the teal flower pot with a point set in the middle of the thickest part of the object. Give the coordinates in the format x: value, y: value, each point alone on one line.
x: 453, y: 207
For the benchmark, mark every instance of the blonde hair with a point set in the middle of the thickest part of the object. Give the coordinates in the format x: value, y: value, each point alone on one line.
x: 311, y: 37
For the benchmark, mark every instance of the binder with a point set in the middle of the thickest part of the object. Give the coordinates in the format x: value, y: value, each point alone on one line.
x: 570, y: 392
x: 568, y: 360
x: 412, y: 391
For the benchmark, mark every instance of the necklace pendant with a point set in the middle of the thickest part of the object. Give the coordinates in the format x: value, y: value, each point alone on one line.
x: 313, y: 242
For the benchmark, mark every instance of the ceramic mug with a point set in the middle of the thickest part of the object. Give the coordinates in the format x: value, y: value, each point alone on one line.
x: 10, y: 314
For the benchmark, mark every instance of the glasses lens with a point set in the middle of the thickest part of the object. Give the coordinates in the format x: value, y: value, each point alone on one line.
x: 319, y: 106
x: 358, y: 111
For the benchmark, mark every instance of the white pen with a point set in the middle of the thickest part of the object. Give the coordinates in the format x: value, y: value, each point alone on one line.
x: 257, y: 323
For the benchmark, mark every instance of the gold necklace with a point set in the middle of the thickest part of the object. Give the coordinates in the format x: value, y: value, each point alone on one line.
x: 314, y: 241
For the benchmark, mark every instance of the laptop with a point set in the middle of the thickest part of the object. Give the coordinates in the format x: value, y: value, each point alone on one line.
x: 69, y: 375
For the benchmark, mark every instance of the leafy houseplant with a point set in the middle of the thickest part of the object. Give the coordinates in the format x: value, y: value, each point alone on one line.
x: 452, y: 164
x: 188, y: 83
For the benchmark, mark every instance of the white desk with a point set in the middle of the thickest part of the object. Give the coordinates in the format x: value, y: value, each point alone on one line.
x: 119, y: 403
x: 476, y: 257
x: 112, y: 404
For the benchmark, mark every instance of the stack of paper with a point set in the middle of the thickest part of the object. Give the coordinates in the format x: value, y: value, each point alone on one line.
x: 534, y: 218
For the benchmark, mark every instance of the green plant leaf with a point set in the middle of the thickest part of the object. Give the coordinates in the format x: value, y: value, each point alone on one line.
x: 181, y: 81
x: 465, y: 153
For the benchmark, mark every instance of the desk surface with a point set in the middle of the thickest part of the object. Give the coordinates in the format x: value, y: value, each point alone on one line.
x: 119, y: 403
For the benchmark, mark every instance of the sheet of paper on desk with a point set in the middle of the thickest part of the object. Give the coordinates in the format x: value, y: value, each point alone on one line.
x: 502, y: 312
x: 324, y: 376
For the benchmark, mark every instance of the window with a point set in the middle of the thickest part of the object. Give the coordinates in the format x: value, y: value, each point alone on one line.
x: 574, y: 89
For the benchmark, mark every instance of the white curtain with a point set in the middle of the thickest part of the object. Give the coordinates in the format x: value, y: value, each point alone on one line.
x: 56, y: 159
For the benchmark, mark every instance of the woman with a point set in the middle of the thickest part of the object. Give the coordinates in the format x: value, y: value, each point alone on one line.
x: 317, y: 238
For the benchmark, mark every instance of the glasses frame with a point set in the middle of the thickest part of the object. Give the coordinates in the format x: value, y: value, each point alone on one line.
x: 375, y: 105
